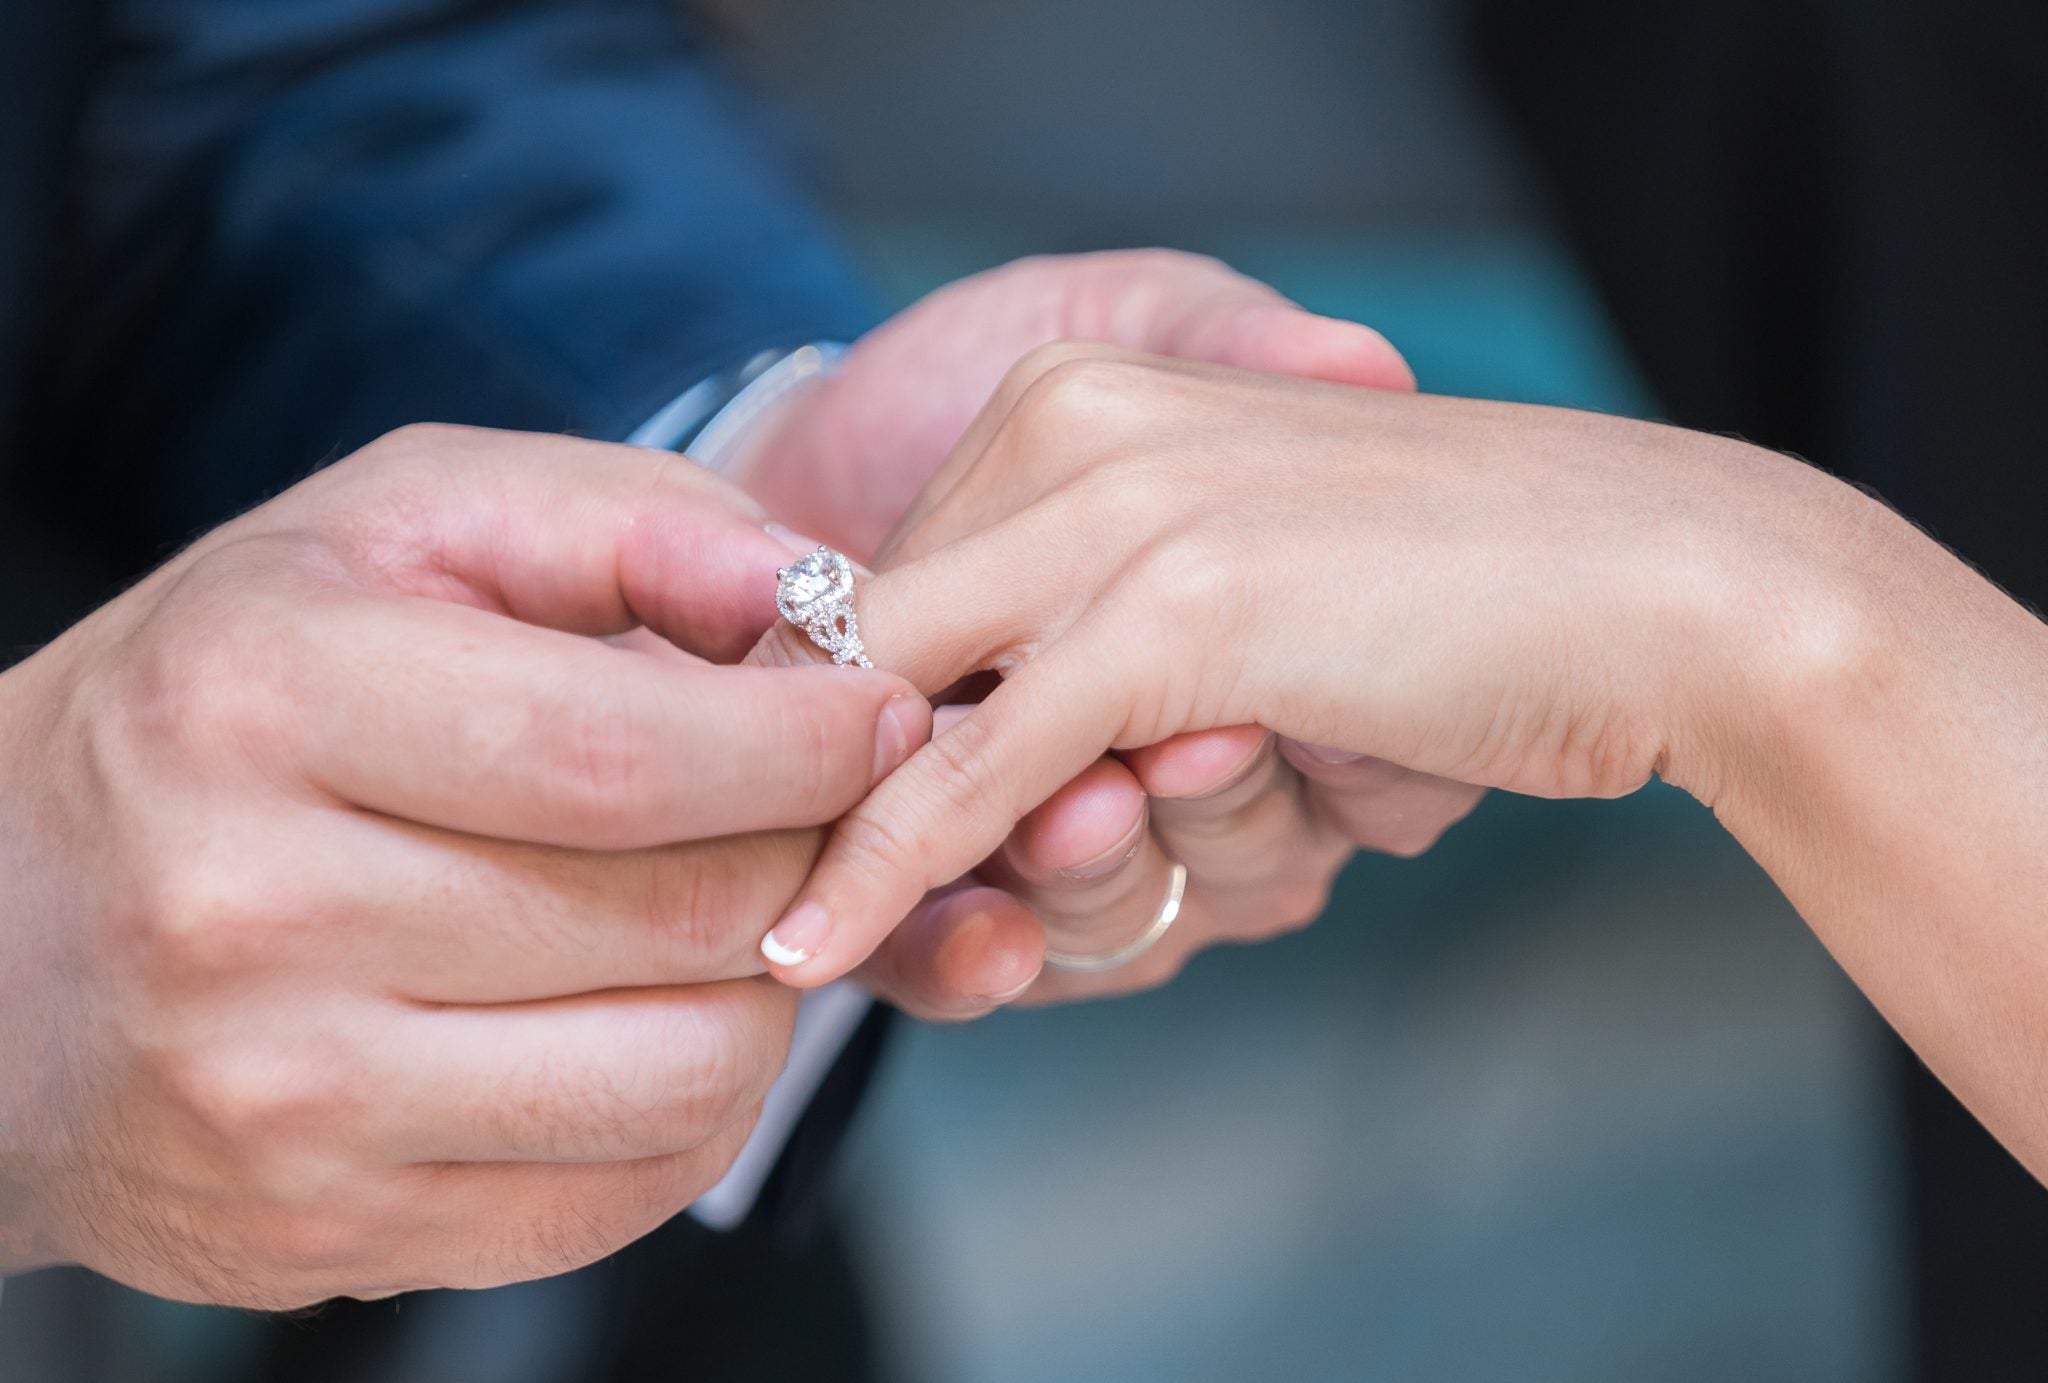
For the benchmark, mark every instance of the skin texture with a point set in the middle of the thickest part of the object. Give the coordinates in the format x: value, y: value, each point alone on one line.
x: 1264, y: 825
x: 1531, y: 599
x: 364, y: 928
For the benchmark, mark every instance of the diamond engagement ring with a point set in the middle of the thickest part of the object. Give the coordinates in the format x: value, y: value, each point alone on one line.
x: 1137, y: 946
x: 816, y: 595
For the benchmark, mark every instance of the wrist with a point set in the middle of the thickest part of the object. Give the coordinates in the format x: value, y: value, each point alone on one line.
x: 1789, y: 620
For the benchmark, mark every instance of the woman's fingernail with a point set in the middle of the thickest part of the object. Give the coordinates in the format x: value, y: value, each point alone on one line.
x: 945, y: 718
x: 1112, y: 859
x: 796, y: 542
x: 896, y: 732
x: 797, y: 937
x: 1324, y: 754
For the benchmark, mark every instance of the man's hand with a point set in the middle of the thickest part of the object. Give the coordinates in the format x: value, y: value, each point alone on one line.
x: 364, y: 927
x: 1263, y: 826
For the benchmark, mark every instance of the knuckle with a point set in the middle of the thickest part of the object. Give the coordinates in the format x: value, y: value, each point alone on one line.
x: 1161, y: 259
x: 207, y: 921
x: 962, y: 756
x: 879, y: 844
x: 247, y: 1098
x: 686, y: 890
x: 567, y: 1114
x: 1081, y: 395
x: 698, y: 895
x: 1121, y: 495
x: 953, y: 784
x: 833, y: 756
x: 583, y: 1224
x: 207, y: 674
x: 731, y: 1076
x: 403, y: 450
x: 596, y: 752
x: 658, y: 1187
x: 1185, y: 583
x: 657, y: 1105
x: 1040, y: 362
x: 1175, y: 586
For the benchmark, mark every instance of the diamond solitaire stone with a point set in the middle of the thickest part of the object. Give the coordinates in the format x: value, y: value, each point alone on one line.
x: 811, y: 580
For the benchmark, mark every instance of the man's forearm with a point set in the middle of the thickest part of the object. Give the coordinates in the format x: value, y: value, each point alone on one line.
x: 586, y: 213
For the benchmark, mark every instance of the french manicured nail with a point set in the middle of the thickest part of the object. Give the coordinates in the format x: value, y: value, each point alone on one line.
x: 796, y: 542
x: 896, y: 732
x: 1110, y: 860
x: 797, y: 937
x: 1324, y: 754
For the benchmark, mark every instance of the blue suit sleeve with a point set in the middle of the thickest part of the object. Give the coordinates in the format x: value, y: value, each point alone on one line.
x: 305, y: 222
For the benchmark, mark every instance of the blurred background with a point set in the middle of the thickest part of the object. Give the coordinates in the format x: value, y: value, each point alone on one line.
x: 1575, y: 1097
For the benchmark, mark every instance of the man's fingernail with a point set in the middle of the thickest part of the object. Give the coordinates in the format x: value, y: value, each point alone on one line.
x: 896, y: 732
x: 1008, y: 995
x: 1112, y: 859
x: 1253, y: 763
x: 1324, y: 754
x: 796, y: 542
x: 797, y: 937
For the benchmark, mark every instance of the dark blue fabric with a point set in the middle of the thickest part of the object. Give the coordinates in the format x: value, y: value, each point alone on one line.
x: 45, y: 46
x: 300, y: 223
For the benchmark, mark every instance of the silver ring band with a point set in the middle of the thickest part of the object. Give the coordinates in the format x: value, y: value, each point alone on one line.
x: 1138, y: 945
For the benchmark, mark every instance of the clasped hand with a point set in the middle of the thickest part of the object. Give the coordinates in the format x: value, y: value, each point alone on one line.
x: 1147, y: 550
x: 382, y: 906
x: 386, y: 873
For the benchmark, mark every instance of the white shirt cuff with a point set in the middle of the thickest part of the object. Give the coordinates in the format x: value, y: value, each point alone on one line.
x: 825, y: 1020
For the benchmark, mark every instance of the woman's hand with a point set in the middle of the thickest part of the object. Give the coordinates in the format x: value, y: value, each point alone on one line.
x: 1485, y: 594
x: 1265, y: 826
x: 1551, y: 602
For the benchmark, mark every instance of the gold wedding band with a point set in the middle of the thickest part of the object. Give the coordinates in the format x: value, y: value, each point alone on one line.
x: 1138, y: 945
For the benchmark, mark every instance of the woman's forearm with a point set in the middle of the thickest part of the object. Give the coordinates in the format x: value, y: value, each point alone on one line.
x: 1889, y: 767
